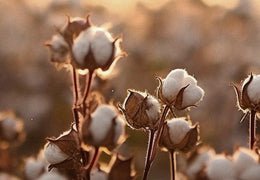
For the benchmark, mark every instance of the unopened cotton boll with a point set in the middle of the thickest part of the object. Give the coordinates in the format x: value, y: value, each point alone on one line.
x: 33, y: 168
x: 53, y: 154
x: 52, y: 176
x: 251, y: 173
x: 141, y: 110
x: 220, y: 168
x: 243, y: 159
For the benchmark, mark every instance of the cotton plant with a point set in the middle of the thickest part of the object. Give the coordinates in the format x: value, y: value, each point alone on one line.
x: 142, y: 111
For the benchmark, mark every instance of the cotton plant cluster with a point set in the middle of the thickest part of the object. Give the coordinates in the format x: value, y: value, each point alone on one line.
x: 242, y: 164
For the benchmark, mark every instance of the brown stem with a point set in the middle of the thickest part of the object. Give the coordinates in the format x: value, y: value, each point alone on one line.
x: 172, y: 164
x: 148, y: 154
x: 159, y: 133
x: 76, y: 97
x: 86, y: 91
x: 252, y: 129
x: 93, y: 161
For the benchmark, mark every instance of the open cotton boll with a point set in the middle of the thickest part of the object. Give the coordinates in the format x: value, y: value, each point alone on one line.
x: 101, y: 46
x: 178, y: 128
x: 177, y: 74
x: 243, y: 159
x: 253, y: 89
x: 252, y: 173
x: 33, y: 168
x: 170, y: 88
x: 101, y: 122
x: 9, y: 128
x: 153, y: 109
x: 119, y: 130
x: 220, y: 168
x: 52, y: 176
x: 192, y: 95
x: 189, y: 80
x: 58, y: 41
x: 81, y: 45
x: 53, y: 154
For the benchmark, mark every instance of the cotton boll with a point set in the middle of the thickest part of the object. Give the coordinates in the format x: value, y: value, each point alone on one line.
x: 102, y: 46
x: 178, y: 128
x: 101, y: 122
x: 33, y: 168
x: 177, y: 74
x: 52, y: 176
x: 220, y: 168
x: 153, y: 109
x: 9, y: 128
x: 253, y: 89
x: 119, y: 130
x: 192, y: 95
x: 53, y: 154
x: 81, y: 45
x: 170, y: 88
x: 244, y: 159
x: 251, y: 173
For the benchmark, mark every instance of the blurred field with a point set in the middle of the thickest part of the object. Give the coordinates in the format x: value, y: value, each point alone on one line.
x: 218, y: 44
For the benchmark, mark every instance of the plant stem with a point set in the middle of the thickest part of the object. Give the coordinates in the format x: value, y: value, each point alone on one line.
x: 159, y: 133
x: 86, y: 91
x: 252, y: 129
x: 93, y: 161
x: 148, y: 154
x: 172, y: 164
x: 76, y: 97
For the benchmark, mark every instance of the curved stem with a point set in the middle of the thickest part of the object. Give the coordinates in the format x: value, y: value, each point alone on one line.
x: 148, y: 154
x: 93, y: 161
x: 252, y: 129
x: 86, y: 91
x: 172, y: 164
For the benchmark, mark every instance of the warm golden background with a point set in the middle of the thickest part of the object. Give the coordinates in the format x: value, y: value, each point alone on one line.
x: 217, y: 41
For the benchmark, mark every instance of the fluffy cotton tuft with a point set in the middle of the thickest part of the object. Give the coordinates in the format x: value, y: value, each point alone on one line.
x: 221, y: 168
x: 252, y: 173
x: 175, y: 81
x: 178, y: 128
x: 53, y: 154
x: 99, y: 41
x: 243, y: 159
x: 192, y: 95
x: 33, y: 168
x: 253, y: 89
x: 101, y: 122
x: 52, y: 176
x: 154, y: 108
x: 57, y: 41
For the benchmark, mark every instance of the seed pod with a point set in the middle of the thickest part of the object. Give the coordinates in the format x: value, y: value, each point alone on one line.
x: 179, y: 135
x: 103, y: 128
x: 141, y: 110
x: 180, y: 90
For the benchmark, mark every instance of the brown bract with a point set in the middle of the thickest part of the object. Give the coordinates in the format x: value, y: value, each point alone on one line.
x: 135, y: 111
x: 188, y: 142
x: 243, y: 101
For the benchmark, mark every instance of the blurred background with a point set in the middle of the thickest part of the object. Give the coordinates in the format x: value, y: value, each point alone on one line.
x: 217, y: 41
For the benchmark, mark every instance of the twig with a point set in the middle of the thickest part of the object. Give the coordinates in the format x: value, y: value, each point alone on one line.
x: 252, y: 129
x: 93, y: 161
x: 172, y: 164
